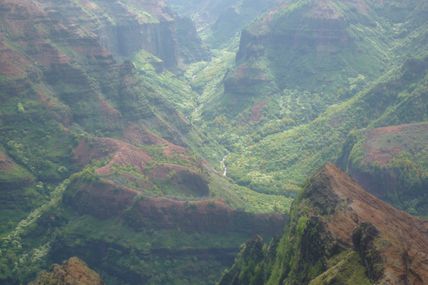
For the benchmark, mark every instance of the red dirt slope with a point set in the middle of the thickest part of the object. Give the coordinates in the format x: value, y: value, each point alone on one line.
x: 72, y: 272
x: 402, y: 240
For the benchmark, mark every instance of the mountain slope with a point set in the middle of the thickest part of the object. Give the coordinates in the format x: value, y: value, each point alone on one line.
x: 303, y: 73
x: 93, y: 115
x: 338, y: 234
x: 304, y: 44
x: 288, y: 157
x: 108, y: 152
x: 391, y: 163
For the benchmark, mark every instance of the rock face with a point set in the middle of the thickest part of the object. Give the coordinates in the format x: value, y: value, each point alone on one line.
x: 224, y: 19
x: 339, y: 234
x: 72, y: 272
x: 120, y: 28
x: 303, y: 45
x: 391, y: 163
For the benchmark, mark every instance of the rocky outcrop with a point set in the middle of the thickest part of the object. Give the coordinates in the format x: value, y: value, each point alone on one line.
x: 72, y: 272
x: 337, y: 227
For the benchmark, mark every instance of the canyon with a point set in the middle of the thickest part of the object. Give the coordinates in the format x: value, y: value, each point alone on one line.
x: 144, y: 142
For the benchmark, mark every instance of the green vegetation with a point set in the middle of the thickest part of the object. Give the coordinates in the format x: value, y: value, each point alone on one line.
x: 392, y: 163
x: 305, y: 254
x: 282, y: 161
x: 248, y: 200
x: 159, y: 256
x: 345, y: 269
x: 96, y: 107
x: 284, y: 111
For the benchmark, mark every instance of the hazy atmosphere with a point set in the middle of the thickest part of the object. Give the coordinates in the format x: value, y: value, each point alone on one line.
x: 213, y: 142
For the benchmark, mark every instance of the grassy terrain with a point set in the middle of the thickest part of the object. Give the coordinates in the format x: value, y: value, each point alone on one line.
x: 284, y: 111
x: 292, y: 155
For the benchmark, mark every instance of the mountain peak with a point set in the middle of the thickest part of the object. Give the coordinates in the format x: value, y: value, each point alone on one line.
x: 336, y: 195
x: 334, y: 224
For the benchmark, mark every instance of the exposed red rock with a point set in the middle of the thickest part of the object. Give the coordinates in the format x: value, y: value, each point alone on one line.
x: 11, y: 63
x: 257, y: 111
x: 13, y: 176
x: 335, y: 218
x: 402, y: 241
x: 120, y: 153
x: 383, y: 144
x: 72, y: 272
x: 104, y: 200
x: 5, y: 162
x: 390, y: 162
x: 139, y: 135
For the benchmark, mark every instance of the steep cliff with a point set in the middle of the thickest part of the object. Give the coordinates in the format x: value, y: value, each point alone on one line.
x: 221, y: 21
x: 322, y: 45
x: 338, y: 234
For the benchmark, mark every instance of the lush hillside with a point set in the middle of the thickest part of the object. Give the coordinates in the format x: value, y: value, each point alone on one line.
x: 327, y: 46
x: 150, y: 139
x: 98, y: 159
x: 338, y: 234
x: 282, y: 161
x: 391, y: 162
x: 341, y: 64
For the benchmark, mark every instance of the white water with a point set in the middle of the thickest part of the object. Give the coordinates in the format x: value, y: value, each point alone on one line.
x: 223, y: 165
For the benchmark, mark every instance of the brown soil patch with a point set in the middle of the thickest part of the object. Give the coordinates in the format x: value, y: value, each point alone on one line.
x: 138, y: 135
x: 402, y: 234
x: 126, y: 155
x: 163, y: 171
x: 383, y: 154
x: 172, y: 149
x: 5, y: 162
x: 256, y: 111
x: 108, y: 109
x: 120, y: 153
x: 73, y: 271
x: 11, y: 63
x: 48, y: 55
